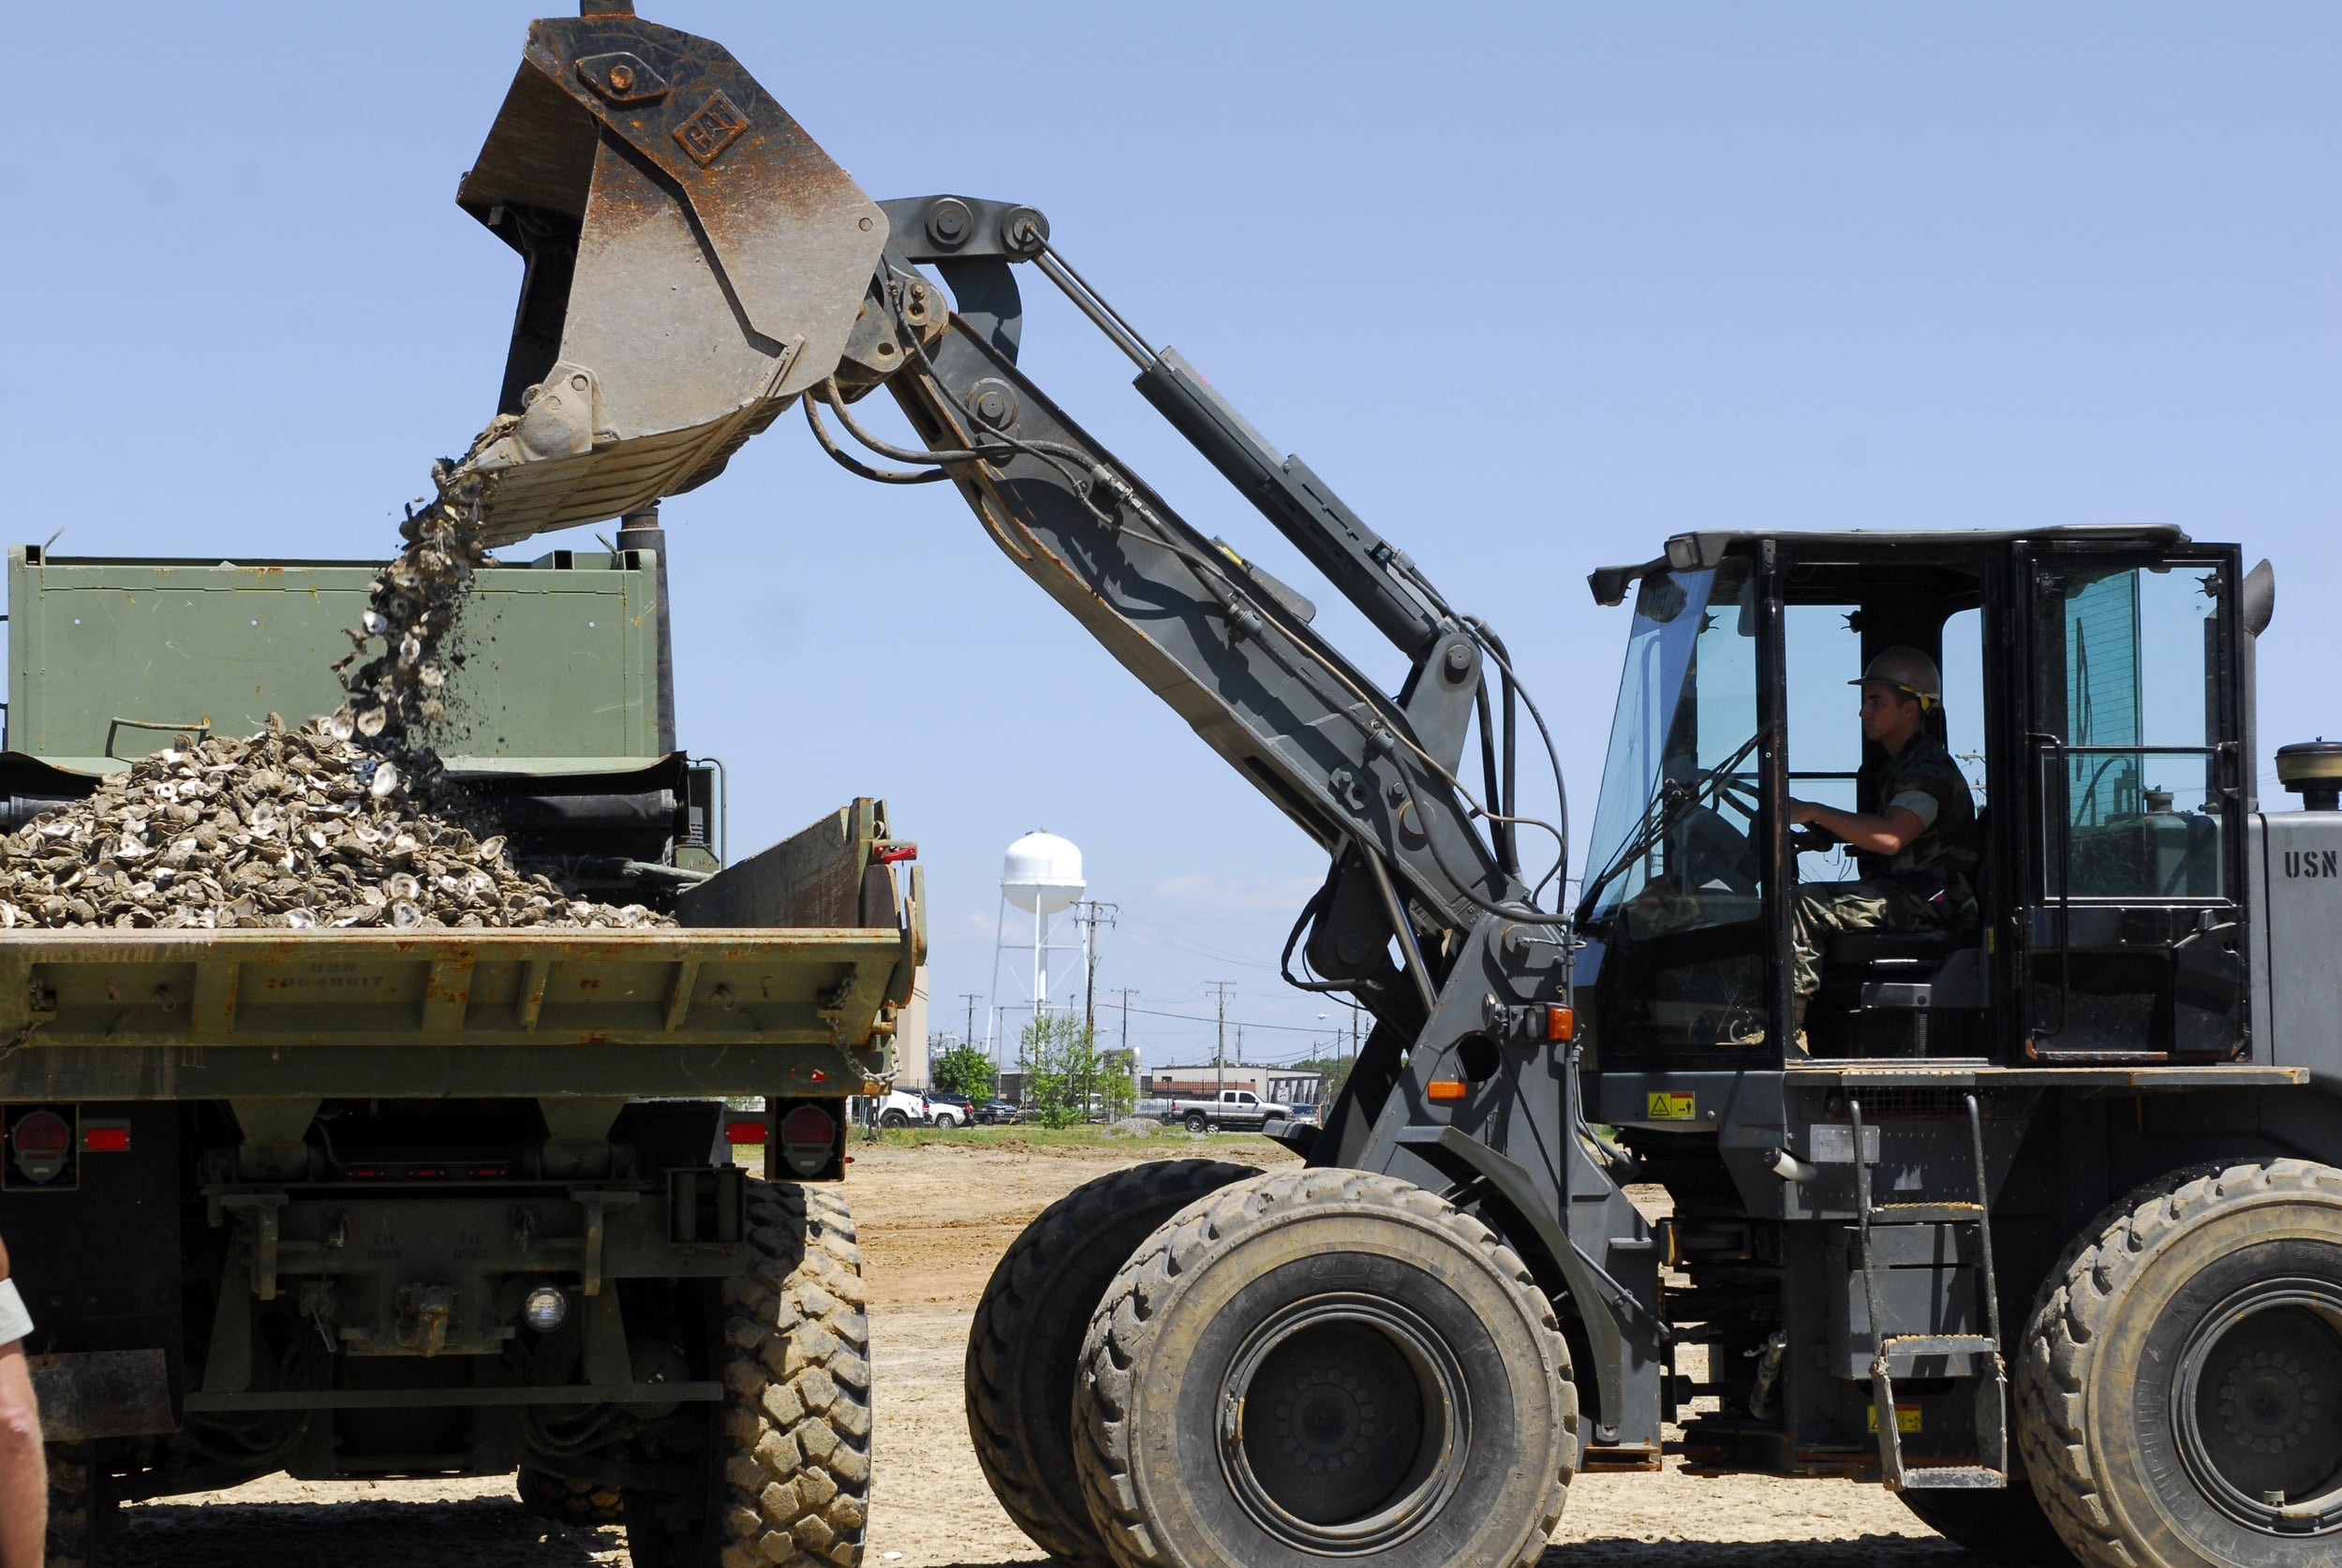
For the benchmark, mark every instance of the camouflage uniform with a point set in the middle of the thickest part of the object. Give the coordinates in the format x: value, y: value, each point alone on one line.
x: 1923, y: 886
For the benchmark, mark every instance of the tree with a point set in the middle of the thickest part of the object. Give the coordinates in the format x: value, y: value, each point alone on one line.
x: 1059, y: 1058
x: 963, y: 1070
x: 1336, y: 1068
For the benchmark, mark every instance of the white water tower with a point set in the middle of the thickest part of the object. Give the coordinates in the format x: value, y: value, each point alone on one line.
x: 1041, y: 876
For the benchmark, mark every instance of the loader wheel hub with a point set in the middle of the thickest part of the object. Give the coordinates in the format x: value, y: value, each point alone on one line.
x: 1357, y: 1424
x: 2261, y: 1405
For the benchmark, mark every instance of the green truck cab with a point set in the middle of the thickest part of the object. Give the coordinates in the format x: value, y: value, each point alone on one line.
x: 372, y: 1202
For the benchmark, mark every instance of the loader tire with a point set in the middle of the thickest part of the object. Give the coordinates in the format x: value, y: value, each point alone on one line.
x: 1325, y: 1363
x: 788, y: 1469
x: 579, y: 1505
x: 1024, y: 1349
x: 2180, y: 1391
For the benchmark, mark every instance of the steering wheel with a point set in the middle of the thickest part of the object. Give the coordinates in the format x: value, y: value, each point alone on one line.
x: 1709, y: 851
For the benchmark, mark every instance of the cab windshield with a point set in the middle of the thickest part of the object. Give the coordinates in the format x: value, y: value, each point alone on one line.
x: 1679, y: 784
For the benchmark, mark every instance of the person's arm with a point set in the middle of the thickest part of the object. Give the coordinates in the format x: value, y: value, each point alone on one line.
x: 1872, y: 834
x: 23, y: 1470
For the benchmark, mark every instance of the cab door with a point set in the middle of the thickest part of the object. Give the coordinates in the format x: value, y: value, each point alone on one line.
x: 2131, y: 876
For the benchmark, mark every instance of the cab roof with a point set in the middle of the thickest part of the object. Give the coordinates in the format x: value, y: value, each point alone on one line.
x: 1696, y: 552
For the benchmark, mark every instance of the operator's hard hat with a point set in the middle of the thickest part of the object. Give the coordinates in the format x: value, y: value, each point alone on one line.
x: 1905, y: 670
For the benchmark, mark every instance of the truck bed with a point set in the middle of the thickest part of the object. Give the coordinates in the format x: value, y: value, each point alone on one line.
x: 182, y: 1014
x: 784, y: 979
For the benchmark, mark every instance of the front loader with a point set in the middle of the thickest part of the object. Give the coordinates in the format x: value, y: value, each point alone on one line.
x: 2033, y: 1218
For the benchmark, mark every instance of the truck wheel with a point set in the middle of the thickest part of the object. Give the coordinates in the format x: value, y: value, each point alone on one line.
x: 789, y: 1470
x: 76, y: 1515
x: 579, y: 1505
x: 2180, y: 1393
x: 1025, y: 1346
x: 1325, y: 1363
x: 1198, y: 1122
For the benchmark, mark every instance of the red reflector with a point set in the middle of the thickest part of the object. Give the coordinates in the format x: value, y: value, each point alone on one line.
x: 105, y: 1140
x: 429, y: 1171
x: 43, y: 1133
x: 1560, y: 1023
x: 1447, y: 1088
x: 743, y: 1133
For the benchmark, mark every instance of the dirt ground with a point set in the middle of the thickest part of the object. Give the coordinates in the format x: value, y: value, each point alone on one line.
x: 934, y: 1218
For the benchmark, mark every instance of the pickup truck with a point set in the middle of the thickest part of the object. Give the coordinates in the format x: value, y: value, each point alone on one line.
x: 1234, y: 1110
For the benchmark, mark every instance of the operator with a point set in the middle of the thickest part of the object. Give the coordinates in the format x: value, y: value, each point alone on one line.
x: 1918, y: 845
x: 23, y: 1475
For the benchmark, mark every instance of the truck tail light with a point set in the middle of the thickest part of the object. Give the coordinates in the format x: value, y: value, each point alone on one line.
x: 1560, y: 1023
x: 42, y: 1143
x: 739, y: 1130
x: 809, y: 1140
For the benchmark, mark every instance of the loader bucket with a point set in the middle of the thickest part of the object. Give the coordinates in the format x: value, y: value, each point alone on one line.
x: 693, y: 261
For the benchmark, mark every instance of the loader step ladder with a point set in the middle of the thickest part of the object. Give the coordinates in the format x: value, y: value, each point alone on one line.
x: 1992, y: 1394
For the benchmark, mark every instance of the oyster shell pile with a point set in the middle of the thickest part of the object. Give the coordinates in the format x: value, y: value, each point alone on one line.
x: 288, y: 828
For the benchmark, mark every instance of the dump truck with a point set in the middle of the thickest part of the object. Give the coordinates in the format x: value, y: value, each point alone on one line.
x: 369, y: 1203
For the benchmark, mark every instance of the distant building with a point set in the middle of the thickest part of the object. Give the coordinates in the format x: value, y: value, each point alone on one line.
x: 911, y: 1036
x: 1287, y: 1086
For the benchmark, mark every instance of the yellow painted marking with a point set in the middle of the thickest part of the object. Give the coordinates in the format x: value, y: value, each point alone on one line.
x: 1665, y: 1105
x: 1907, y: 1418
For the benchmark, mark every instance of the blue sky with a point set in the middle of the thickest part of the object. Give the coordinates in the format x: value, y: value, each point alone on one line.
x: 1535, y: 286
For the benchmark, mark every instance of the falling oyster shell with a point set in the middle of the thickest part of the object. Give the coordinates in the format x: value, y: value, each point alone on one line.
x: 373, y: 622
x: 409, y: 648
x: 491, y: 848
x: 385, y: 780
x: 341, y: 726
x: 432, y: 676
x: 371, y: 721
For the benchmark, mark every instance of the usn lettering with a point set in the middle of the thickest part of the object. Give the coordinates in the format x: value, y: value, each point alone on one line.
x: 2313, y: 863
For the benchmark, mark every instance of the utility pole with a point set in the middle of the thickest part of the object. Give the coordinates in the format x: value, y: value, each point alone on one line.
x: 1093, y: 914
x: 1220, y: 1057
x: 1130, y: 1063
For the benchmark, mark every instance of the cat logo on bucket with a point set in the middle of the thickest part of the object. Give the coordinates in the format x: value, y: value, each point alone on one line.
x: 1666, y: 1105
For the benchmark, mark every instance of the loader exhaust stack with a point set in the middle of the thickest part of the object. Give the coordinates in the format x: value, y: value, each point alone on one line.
x: 693, y: 261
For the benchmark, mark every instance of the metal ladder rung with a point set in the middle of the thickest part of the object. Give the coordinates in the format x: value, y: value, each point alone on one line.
x: 1927, y: 1213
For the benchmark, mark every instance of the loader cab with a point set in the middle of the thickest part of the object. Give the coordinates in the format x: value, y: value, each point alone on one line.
x: 2093, y: 701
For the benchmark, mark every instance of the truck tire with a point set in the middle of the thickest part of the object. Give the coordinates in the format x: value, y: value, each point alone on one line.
x: 789, y: 1470
x: 1325, y: 1363
x: 894, y: 1119
x: 1024, y: 1349
x: 74, y: 1514
x: 579, y: 1505
x: 1198, y: 1122
x: 2180, y: 1392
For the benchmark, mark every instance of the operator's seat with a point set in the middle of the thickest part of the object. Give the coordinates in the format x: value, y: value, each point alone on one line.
x: 1897, y: 994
